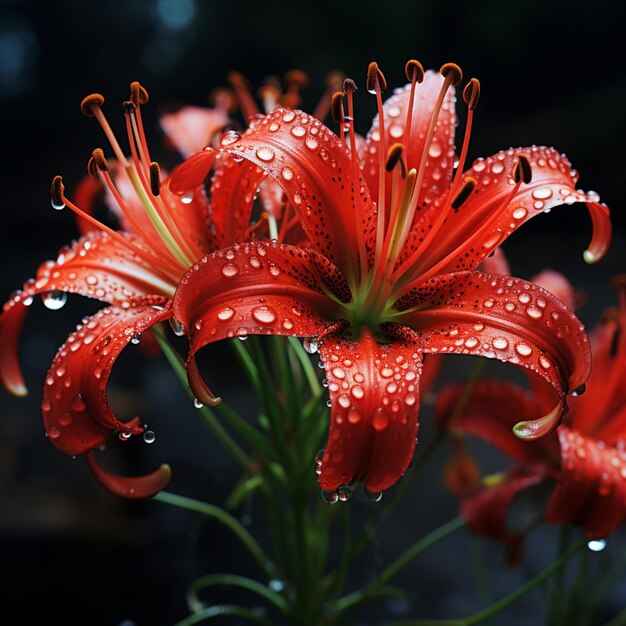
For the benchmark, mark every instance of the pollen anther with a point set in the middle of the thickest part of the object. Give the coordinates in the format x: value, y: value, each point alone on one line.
x: 471, y: 93
x: 336, y: 107
x: 454, y: 70
x: 375, y: 75
x: 349, y: 85
x: 56, y: 190
x: 90, y: 101
x: 469, y: 184
x: 394, y: 155
x: 138, y: 93
x: 155, y: 178
x: 523, y: 171
x: 414, y: 71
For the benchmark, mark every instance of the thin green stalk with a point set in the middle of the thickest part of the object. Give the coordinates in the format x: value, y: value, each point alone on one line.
x: 555, y: 606
x: 608, y: 581
x: 505, y: 602
x: 401, y: 562
x: 224, y: 610
x: 232, y: 580
x: 178, y: 366
x: 307, y: 366
x: 225, y: 518
x: 480, y: 568
x: 248, y: 365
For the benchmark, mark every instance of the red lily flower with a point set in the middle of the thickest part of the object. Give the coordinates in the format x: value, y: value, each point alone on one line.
x: 584, y: 461
x: 395, y: 234
x: 134, y: 269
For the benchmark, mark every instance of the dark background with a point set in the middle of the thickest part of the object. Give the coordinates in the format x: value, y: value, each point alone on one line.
x: 551, y: 73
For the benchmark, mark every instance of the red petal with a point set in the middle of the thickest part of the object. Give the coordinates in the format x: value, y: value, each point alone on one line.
x: 191, y: 174
x: 253, y: 288
x: 85, y: 196
x: 496, y: 263
x: 131, y: 486
x: 601, y: 411
x: 487, y: 511
x: 505, y: 318
x: 76, y: 414
x: 490, y: 412
x: 481, y: 224
x: 591, y: 489
x: 374, y: 390
x: 95, y: 266
x: 440, y: 159
x: 191, y: 128
x: 314, y: 169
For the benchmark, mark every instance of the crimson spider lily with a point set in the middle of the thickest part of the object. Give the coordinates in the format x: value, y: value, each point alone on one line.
x: 396, y: 231
x: 580, y: 469
x: 134, y: 269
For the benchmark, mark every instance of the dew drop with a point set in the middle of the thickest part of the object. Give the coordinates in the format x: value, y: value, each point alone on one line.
x: 54, y: 300
x: 534, y: 312
x: 298, y: 131
x: 344, y: 493
x: 380, y: 421
x: 523, y: 349
x: 543, y: 193
x: 78, y: 403
x: 471, y: 342
x: 374, y: 496
x: 289, y: 116
x: 524, y: 298
x: 329, y: 497
x: 229, y: 270
x: 596, y: 545
x: 124, y: 435
x: 225, y: 314
x: 149, y: 436
x: 230, y: 138
x: 187, y: 198
x: 287, y: 173
x: 489, y: 302
x: 386, y: 372
x: 135, y: 340
x: 264, y: 315
x: 579, y: 391
x: 265, y: 154
x: 354, y: 417
x: 520, y: 213
x: 310, y: 345
x: 177, y: 327
x: 435, y: 149
x: 57, y: 206
x: 276, y: 585
x: 500, y: 343
x: 311, y: 143
x: 357, y: 392
x: 197, y: 404
x: 54, y: 432
x: 338, y: 373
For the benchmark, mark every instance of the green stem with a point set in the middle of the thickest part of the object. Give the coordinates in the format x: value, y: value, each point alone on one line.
x: 401, y: 562
x: 178, y: 366
x: 232, y: 580
x: 307, y: 366
x: 555, y: 607
x: 505, y: 602
x: 225, y: 518
x: 223, y: 610
x: 480, y: 568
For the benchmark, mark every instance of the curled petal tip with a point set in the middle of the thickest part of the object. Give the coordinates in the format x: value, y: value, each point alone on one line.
x: 590, y: 257
x: 134, y: 487
x: 531, y: 430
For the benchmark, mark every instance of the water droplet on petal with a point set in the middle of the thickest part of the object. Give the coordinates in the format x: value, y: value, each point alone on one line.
x: 579, y: 390
x: 287, y: 173
x: 187, y: 198
x: 54, y: 300
x: 229, y: 270
x: 374, y: 496
x: 226, y: 313
x: 177, y: 327
x: 543, y: 193
x: 380, y: 421
x: 329, y: 497
x: 229, y: 138
x: 57, y: 206
x: 265, y: 154
x: 298, y: 131
x: 523, y: 349
x: 344, y: 492
x: 500, y: 343
x: 264, y: 315
x: 310, y: 345
x: 534, y: 312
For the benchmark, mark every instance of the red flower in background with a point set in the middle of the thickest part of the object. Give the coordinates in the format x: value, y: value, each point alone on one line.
x: 580, y: 469
x: 396, y: 234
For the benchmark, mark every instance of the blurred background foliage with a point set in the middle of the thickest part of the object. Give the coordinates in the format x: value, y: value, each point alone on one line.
x: 551, y: 73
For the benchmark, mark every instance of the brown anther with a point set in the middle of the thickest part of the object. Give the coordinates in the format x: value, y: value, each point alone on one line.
x: 92, y: 168
x: 128, y: 106
x: 610, y: 316
x: 414, y: 71
x: 349, y: 86
x: 98, y: 160
x: 223, y: 98
x: 155, y: 178
x: 336, y: 107
x: 394, y: 155
x: 454, y: 70
x: 334, y: 80
x: 471, y: 93
x: 296, y: 78
x: 374, y: 76
x: 523, y: 171
x: 90, y: 101
x: 138, y: 93
x: 469, y: 184
x: 56, y: 190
